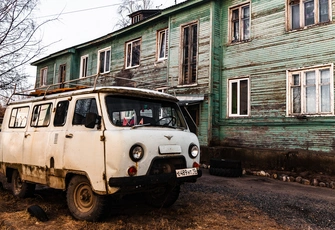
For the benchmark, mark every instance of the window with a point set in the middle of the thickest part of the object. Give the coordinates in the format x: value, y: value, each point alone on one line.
x: 136, y: 18
x: 41, y: 115
x: 308, y: 12
x: 311, y: 91
x: 190, y: 54
x: 62, y: 75
x: 133, y: 53
x: 132, y: 111
x: 83, y: 66
x: 83, y: 107
x: 61, y: 113
x: 104, y: 60
x: 162, y: 44
x: 239, y: 97
x: 18, y: 117
x: 240, y: 23
x: 43, y: 76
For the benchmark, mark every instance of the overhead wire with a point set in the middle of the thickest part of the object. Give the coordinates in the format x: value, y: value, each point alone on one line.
x: 77, y: 11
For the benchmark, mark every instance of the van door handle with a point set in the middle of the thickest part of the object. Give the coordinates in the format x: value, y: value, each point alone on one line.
x: 26, y: 135
x: 69, y: 135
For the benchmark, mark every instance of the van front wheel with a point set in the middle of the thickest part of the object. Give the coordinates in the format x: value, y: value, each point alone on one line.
x: 20, y: 188
x: 82, y: 202
x: 163, y: 196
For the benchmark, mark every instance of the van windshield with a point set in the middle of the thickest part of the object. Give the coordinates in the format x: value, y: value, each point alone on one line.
x: 136, y: 112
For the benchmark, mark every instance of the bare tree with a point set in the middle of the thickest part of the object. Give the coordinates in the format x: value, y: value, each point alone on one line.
x: 130, y: 6
x: 18, y: 43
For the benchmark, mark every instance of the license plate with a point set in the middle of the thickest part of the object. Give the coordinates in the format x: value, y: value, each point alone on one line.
x: 186, y: 172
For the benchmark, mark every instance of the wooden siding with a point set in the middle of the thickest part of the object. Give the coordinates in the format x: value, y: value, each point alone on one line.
x: 202, y: 15
x: 265, y: 59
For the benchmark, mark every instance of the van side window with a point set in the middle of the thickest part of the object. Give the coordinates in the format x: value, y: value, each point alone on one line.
x: 41, y: 115
x: 61, y: 113
x: 84, y: 106
x: 18, y: 117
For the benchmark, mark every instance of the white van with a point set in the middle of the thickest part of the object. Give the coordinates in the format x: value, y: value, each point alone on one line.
x: 97, y: 142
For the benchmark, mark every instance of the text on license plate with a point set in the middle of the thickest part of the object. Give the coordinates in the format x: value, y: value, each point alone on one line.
x: 186, y: 172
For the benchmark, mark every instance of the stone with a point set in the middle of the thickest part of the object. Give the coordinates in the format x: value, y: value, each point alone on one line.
x: 315, y: 182
x: 305, y: 182
x: 274, y: 176
x: 298, y: 179
x: 283, y: 177
x: 290, y: 179
x: 261, y: 173
x: 332, y: 184
x: 322, y: 184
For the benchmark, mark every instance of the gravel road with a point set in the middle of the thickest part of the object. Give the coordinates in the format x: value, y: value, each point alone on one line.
x: 290, y: 204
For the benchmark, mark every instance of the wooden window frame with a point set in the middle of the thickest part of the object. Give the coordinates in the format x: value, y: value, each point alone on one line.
x: 238, y: 112
x: 242, y: 35
x: 189, y: 66
x: 302, y: 19
x: 302, y: 86
x: 43, y: 76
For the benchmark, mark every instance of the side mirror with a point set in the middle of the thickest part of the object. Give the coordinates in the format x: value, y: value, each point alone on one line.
x: 91, y: 119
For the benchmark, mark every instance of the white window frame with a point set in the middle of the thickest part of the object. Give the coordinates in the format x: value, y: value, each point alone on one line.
x: 83, y: 65
x: 301, y: 74
x: 129, y: 60
x: 302, y: 23
x: 162, y: 42
x: 43, y: 76
x: 230, y: 91
x: 241, y: 19
x: 107, y: 60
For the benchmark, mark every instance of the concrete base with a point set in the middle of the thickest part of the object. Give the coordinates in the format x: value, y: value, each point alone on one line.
x: 269, y: 159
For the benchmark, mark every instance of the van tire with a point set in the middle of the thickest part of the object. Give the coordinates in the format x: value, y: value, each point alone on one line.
x: 20, y: 188
x: 82, y: 202
x: 162, y: 197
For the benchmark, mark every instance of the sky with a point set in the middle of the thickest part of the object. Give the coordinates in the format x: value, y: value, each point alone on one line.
x: 78, y: 21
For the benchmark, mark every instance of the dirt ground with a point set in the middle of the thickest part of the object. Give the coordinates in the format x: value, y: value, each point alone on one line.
x: 198, y: 207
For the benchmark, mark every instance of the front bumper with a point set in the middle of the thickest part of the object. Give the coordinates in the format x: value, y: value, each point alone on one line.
x: 147, y: 180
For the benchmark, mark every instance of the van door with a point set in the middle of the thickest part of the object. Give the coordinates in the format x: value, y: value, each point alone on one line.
x: 55, y: 147
x: 35, y: 143
x: 84, y: 147
x: 13, y: 133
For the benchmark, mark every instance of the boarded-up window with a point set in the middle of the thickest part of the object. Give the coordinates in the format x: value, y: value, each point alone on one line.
x: 190, y: 54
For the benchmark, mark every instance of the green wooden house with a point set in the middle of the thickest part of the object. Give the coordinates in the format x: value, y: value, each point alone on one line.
x: 255, y: 77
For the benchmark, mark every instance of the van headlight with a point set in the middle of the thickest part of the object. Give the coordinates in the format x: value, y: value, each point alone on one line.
x: 193, y: 151
x: 136, y: 153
